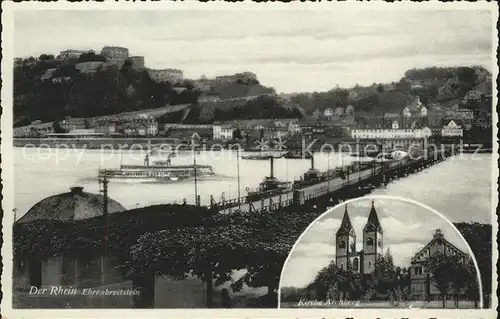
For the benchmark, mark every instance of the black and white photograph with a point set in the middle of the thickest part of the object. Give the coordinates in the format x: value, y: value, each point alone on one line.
x: 382, y: 253
x: 165, y: 157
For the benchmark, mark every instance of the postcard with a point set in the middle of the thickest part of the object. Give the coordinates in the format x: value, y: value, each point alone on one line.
x: 249, y: 160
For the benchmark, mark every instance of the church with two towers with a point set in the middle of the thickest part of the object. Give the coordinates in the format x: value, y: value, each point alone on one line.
x: 347, y: 256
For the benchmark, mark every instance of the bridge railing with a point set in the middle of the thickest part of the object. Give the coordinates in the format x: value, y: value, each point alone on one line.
x: 230, y: 202
x: 249, y: 199
x: 278, y: 205
x: 374, y: 170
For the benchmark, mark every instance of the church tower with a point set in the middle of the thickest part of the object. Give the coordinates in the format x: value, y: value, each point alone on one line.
x: 345, y: 241
x: 373, y: 241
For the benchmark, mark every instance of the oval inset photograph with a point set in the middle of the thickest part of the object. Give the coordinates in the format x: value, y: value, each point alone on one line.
x: 381, y: 252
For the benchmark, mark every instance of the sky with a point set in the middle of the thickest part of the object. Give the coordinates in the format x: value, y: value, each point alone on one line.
x: 407, y: 229
x: 290, y: 50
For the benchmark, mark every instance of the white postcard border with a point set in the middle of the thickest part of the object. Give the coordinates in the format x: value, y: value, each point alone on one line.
x: 8, y: 177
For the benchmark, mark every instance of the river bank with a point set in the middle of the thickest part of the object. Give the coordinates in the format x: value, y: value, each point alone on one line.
x: 123, y: 143
x: 96, y: 143
x: 170, y: 144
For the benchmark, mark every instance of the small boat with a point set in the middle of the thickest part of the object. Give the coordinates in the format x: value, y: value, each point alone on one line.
x: 262, y: 156
x: 292, y: 155
x: 256, y: 157
x: 392, y: 155
x: 269, y: 187
x: 161, y: 171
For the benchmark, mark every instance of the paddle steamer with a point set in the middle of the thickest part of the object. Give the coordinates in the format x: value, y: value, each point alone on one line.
x: 158, y: 171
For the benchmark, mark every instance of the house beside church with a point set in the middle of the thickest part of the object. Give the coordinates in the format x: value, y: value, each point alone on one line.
x: 422, y: 286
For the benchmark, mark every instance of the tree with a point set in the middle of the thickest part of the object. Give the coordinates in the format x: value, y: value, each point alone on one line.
x: 237, y: 134
x: 90, y: 57
x: 267, y: 252
x: 460, y: 278
x: 223, y: 244
x: 439, y: 267
x: 102, y: 93
x: 46, y: 57
x: 330, y: 282
x: 403, y: 85
x: 472, y: 285
x: 479, y: 237
x: 384, y: 274
x: 389, y: 264
x: 448, y: 274
x: 466, y: 75
x: 339, y: 111
x: 128, y: 64
x: 349, y: 111
x: 209, y: 253
x: 403, y: 283
x: 58, y: 128
x: 368, y: 285
x: 262, y: 107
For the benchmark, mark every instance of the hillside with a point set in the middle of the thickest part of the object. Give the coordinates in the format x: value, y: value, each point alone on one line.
x: 48, y: 89
x: 309, y: 102
x: 384, y: 102
x: 237, y: 90
x: 431, y: 85
x: 68, y: 92
x: 469, y: 87
x: 260, y: 107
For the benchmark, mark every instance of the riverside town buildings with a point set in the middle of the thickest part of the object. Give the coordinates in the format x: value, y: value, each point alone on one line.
x: 318, y: 128
x: 141, y: 125
x: 451, y: 128
x: 409, y: 127
x: 107, y: 125
x: 71, y: 124
x: 222, y: 132
x: 328, y: 112
x: 35, y: 129
x: 186, y: 132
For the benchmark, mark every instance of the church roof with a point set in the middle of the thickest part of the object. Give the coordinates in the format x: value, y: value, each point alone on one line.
x: 73, y: 205
x: 373, y: 224
x: 346, y: 227
x: 437, y: 236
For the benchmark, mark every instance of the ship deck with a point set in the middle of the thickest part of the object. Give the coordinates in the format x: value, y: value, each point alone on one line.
x: 173, y: 168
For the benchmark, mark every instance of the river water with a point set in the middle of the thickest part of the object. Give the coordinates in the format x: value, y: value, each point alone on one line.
x: 460, y: 187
